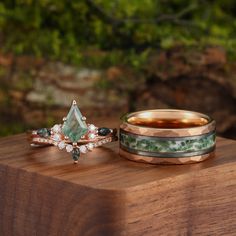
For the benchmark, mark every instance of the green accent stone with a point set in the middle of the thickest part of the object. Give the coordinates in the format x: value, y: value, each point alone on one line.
x: 74, y: 127
x: 44, y: 132
x: 103, y: 131
x: 75, y: 154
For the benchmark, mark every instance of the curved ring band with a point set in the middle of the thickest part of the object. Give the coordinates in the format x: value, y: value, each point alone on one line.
x: 167, y: 136
x: 74, y: 135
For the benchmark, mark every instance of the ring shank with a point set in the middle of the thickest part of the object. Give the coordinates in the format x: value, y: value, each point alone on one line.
x: 167, y: 136
x: 36, y: 139
x: 164, y: 160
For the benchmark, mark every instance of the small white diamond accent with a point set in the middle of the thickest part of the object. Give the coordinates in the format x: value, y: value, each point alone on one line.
x: 92, y: 127
x: 90, y: 146
x: 61, y: 145
x: 69, y: 148
x: 83, y: 149
x: 100, y: 143
x: 92, y: 136
x: 56, y: 128
x: 56, y: 137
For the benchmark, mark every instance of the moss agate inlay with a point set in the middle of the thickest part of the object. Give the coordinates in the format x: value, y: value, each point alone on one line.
x: 157, y: 146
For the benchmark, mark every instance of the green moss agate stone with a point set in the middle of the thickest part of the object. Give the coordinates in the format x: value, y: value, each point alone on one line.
x: 74, y: 127
x: 76, y: 154
x: 44, y: 132
x: 159, y: 146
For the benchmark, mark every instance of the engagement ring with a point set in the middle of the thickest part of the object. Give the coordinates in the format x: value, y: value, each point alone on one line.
x: 74, y: 135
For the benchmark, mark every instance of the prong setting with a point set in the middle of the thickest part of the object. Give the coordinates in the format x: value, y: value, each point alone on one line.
x: 74, y: 139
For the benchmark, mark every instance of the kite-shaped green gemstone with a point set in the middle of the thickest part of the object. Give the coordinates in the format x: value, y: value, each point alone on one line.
x: 74, y: 126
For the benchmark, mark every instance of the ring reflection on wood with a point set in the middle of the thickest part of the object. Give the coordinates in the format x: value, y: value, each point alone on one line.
x: 167, y: 136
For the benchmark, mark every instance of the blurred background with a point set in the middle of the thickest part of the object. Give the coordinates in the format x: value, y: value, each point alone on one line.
x: 116, y: 56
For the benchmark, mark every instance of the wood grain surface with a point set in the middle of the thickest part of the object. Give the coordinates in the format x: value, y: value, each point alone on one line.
x: 43, y: 193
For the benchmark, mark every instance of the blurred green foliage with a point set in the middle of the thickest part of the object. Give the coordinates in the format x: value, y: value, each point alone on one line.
x: 72, y: 31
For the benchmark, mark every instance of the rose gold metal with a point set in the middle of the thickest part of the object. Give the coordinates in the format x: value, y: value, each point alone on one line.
x: 33, y: 138
x: 206, y: 124
x: 139, y: 123
x: 159, y: 160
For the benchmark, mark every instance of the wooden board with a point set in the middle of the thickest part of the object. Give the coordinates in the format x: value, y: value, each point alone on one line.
x: 43, y: 193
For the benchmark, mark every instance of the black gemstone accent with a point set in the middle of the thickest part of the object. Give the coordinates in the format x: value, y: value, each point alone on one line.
x: 75, y: 154
x: 44, y: 132
x: 103, y: 131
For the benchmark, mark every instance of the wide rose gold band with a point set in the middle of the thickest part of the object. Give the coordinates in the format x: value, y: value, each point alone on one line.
x: 163, y: 160
x: 141, y: 141
x: 180, y: 115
